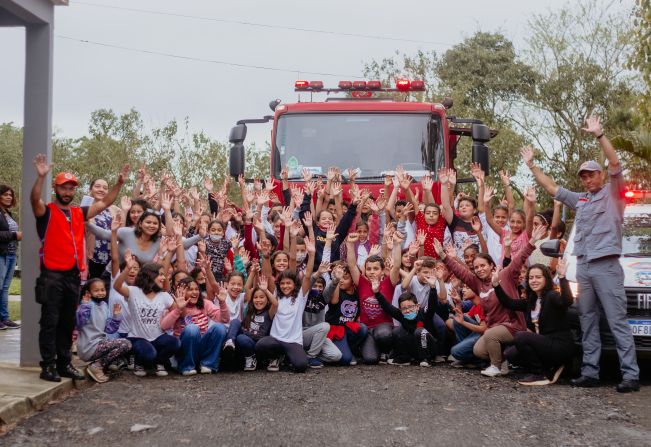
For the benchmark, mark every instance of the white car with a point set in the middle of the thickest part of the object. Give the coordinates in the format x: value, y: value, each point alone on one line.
x: 636, y: 262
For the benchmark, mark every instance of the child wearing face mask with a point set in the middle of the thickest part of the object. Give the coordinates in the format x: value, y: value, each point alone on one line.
x: 218, y: 249
x: 94, y: 322
x: 413, y: 339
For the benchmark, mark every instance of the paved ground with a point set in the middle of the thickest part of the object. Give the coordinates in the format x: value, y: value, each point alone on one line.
x: 381, y: 405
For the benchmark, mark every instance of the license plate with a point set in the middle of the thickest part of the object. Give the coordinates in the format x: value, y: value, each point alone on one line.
x: 641, y: 328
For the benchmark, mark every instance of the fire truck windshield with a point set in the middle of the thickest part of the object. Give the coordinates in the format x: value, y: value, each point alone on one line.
x: 373, y: 143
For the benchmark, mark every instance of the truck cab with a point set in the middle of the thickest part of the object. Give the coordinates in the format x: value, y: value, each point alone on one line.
x: 364, y: 127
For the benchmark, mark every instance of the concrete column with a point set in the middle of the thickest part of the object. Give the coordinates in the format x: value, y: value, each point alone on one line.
x: 37, y: 138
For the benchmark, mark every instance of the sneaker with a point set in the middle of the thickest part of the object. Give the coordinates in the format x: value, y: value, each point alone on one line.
x: 398, y: 362
x: 11, y: 324
x: 353, y: 361
x: 139, y: 371
x: 161, y: 371
x: 458, y: 364
x: 205, y: 370
x: 274, y: 365
x: 628, y: 386
x: 131, y: 364
x: 71, y: 372
x: 557, y: 374
x: 229, y: 345
x: 491, y: 371
x: 3, y: 326
x: 504, y: 368
x: 451, y: 359
x: 96, y: 372
x: 250, y: 363
x: 535, y: 380
x: 439, y: 359
x: 584, y: 382
x: 384, y: 358
x: 189, y: 372
x: 314, y: 363
x: 117, y: 365
x: 424, y: 364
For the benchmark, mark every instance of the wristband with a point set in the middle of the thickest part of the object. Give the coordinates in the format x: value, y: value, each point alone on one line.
x: 600, y: 136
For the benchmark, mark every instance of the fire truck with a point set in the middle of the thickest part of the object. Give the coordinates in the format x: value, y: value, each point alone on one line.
x: 364, y: 126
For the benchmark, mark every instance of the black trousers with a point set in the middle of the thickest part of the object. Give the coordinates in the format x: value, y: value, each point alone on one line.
x: 541, y: 352
x: 269, y: 348
x: 58, y: 294
x: 419, y: 346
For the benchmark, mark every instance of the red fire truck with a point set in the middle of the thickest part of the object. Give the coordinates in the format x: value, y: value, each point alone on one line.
x: 364, y: 126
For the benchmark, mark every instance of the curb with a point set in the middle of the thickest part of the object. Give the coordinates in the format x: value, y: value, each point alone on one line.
x: 22, y: 392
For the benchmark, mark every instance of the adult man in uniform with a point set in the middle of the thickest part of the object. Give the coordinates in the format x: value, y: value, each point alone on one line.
x: 597, y: 247
x: 60, y: 227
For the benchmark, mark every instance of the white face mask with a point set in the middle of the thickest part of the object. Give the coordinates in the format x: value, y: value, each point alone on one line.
x: 300, y: 257
x: 215, y: 237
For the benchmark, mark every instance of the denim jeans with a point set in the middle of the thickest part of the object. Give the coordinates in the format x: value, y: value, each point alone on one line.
x: 466, y: 338
x: 350, y: 342
x: 245, y: 345
x: 7, y: 266
x: 201, y: 350
x: 234, y: 329
x: 153, y: 352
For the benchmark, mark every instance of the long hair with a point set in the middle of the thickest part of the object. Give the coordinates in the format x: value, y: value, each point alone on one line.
x: 549, y: 283
x: 186, y: 282
x: 7, y: 188
x: 288, y: 274
x: 138, y: 230
x: 250, y: 308
x: 142, y: 204
x: 146, y: 279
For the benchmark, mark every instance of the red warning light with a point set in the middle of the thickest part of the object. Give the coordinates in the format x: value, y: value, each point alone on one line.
x: 403, y: 85
x: 301, y: 85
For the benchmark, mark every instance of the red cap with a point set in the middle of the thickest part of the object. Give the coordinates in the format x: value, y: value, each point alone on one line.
x: 65, y: 177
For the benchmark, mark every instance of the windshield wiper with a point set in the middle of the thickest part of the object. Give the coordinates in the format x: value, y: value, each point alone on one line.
x: 637, y: 255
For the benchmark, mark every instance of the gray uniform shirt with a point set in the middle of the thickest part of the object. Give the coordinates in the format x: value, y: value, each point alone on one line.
x: 599, y: 218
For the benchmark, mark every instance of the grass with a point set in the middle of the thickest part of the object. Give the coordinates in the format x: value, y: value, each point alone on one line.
x: 14, y: 310
x: 15, y: 287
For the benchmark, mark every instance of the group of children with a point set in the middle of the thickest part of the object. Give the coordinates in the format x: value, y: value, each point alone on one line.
x: 304, y: 276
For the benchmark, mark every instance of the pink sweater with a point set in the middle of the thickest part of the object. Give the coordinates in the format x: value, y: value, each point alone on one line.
x: 192, y: 314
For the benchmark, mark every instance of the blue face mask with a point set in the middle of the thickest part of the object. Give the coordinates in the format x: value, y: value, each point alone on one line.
x: 411, y: 315
x: 215, y: 237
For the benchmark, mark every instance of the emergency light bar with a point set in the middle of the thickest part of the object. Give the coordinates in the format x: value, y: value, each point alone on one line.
x: 402, y: 85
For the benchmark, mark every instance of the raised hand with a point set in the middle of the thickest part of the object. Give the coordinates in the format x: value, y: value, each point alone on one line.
x: 527, y: 154
x: 310, y: 245
x: 338, y: 272
x: 450, y: 251
x: 405, y: 181
x: 507, y: 238
x: 284, y: 174
x: 414, y: 246
x: 336, y: 189
x: 476, y: 224
x: 286, y: 216
x: 180, y: 298
x: 352, y: 174
x: 489, y: 193
x: 324, y: 267
x: 245, y: 256
x: 178, y: 228
x: 228, y: 266
x: 125, y: 204
x: 263, y: 283
x: 330, y: 233
x: 352, y: 237
x: 85, y: 299
x: 223, y: 293
x: 561, y: 268
x: 421, y: 235
x: 407, y: 209
x: 504, y: 176
x: 123, y: 174
x: 530, y: 194
x: 427, y: 182
x: 116, y: 222
x: 295, y: 228
x: 495, y: 276
x: 538, y: 234
x: 41, y: 165
x: 269, y: 184
x: 438, y: 248
x: 477, y: 172
x: 443, y: 176
x: 117, y: 310
x: 452, y: 177
x: 375, y: 250
x: 307, y: 175
x: 593, y: 125
x: 130, y: 259
x: 235, y: 242
x: 166, y: 201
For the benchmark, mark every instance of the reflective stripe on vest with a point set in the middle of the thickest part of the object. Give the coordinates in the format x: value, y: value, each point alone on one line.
x: 63, y: 244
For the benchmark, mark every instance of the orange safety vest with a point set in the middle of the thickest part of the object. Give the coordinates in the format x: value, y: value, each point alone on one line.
x: 63, y: 244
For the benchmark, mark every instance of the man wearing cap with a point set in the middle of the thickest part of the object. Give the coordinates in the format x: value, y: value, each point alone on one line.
x: 60, y: 226
x: 597, y: 247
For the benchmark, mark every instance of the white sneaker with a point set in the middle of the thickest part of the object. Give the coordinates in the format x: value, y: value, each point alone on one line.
x: 132, y: 362
x: 162, y: 372
x: 189, y: 372
x: 398, y: 362
x: 353, y: 361
x: 451, y: 359
x: 424, y: 364
x: 250, y: 363
x: 439, y: 359
x: 274, y: 365
x: 205, y: 370
x: 229, y: 345
x: 139, y: 371
x: 384, y: 358
x: 491, y: 371
x: 504, y: 368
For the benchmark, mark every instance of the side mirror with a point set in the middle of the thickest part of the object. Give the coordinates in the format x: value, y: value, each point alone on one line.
x: 236, y: 160
x: 551, y: 248
x: 480, y: 135
x: 238, y: 134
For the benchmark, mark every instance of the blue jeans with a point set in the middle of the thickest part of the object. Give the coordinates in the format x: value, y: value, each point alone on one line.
x: 466, y: 338
x: 201, y: 350
x: 7, y: 266
x: 234, y: 329
x: 350, y: 340
x: 245, y: 345
x: 153, y: 352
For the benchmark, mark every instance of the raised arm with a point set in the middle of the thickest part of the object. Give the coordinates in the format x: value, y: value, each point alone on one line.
x: 115, y: 256
x: 505, y: 300
x: 119, y: 284
x: 508, y: 191
x: 310, y: 245
x: 446, y: 185
x: 486, y: 199
x: 351, y: 258
x: 541, y: 178
x: 529, y: 208
x: 100, y: 205
x: 42, y: 168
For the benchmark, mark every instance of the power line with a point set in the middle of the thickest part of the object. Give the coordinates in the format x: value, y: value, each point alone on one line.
x: 266, y: 25
x: 199, y: 59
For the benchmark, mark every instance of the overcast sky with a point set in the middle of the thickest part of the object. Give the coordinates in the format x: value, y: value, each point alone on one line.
x: 214, y: 96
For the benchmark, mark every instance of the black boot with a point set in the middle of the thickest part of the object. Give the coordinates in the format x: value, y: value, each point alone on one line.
x: 585, y: 382
x: 50, y: 373
x: 626, y: 386
x: 71, y: 372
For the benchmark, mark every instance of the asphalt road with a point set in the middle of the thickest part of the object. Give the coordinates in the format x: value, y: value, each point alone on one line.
x: 367, y: 406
